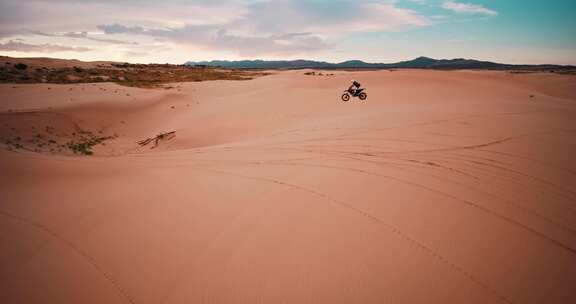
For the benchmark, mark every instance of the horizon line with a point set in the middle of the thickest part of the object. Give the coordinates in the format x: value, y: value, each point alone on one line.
x: 300, y: 59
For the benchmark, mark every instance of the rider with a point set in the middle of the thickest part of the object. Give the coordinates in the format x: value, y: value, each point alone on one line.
x: 353, y: 89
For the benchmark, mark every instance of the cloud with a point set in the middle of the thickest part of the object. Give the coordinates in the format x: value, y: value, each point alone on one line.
x: 329, y: 18
x: 19, y: 46
x: 282, y: 27
x: 216, y: 37
x: 82, y: 35
x: 387, y: 17
x: 64, y: 15
x: 418, y: 1
x: 120, y: 29
x: 132, y: 54
x: 467, y: 8
x: 243, y: 27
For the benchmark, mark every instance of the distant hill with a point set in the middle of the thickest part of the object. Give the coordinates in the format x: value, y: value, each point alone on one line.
x: 418, y: 63
x: 54, y: 62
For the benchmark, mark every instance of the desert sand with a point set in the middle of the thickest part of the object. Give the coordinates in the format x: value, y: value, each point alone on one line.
x: 443, y: 187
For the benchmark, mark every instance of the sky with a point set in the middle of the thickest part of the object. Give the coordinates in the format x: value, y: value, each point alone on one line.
x: 176, y: 31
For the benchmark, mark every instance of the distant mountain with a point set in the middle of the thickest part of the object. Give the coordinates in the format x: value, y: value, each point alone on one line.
x: 262, y: 64
x: 418, y: 63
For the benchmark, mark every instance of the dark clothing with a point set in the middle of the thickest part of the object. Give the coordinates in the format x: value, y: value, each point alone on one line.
x: 354, y: 87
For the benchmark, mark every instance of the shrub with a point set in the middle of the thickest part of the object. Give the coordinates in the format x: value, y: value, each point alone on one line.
x: 85, y: 145
x: 21, y: 66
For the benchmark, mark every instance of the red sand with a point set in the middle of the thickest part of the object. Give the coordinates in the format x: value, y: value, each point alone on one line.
x: 445, y: 187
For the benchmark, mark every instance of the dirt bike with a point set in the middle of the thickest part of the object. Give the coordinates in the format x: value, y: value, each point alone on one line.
x: 357, y: 93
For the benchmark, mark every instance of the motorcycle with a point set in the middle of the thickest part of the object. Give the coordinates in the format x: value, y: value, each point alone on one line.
x: 354, y: 93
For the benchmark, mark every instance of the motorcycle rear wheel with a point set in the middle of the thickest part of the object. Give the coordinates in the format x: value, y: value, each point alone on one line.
x: 363, y: 96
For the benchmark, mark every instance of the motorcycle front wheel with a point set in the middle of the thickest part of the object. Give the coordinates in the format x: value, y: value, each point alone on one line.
x: 345, y: 97
x: 363, y: 96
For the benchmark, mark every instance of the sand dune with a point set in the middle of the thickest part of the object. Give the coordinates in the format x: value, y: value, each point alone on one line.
x: 444, y: 187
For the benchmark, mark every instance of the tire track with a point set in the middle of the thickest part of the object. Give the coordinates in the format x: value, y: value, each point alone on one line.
x: 391, y: 228
x: 512, y: 203
x: 467, y: 202
x: 507, y: 174
x: 524, y: 209
x: 437, y: 165
x: 511, y: 179
x: 515, y: 204
x: 470, y: 147
x: 566, y: 193
x: 463, y: 158
x: 500, y: 198
x: 455, y: 148
x: 107, y: 276
x: 363, y: 131
x: 543, y: 163
x: 432, y: 122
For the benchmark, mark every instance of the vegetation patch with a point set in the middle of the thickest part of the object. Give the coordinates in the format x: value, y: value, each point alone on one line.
x: 313, y: 73
x: 85, y: 145
x: 132, y: 75
x: 50, y: 140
